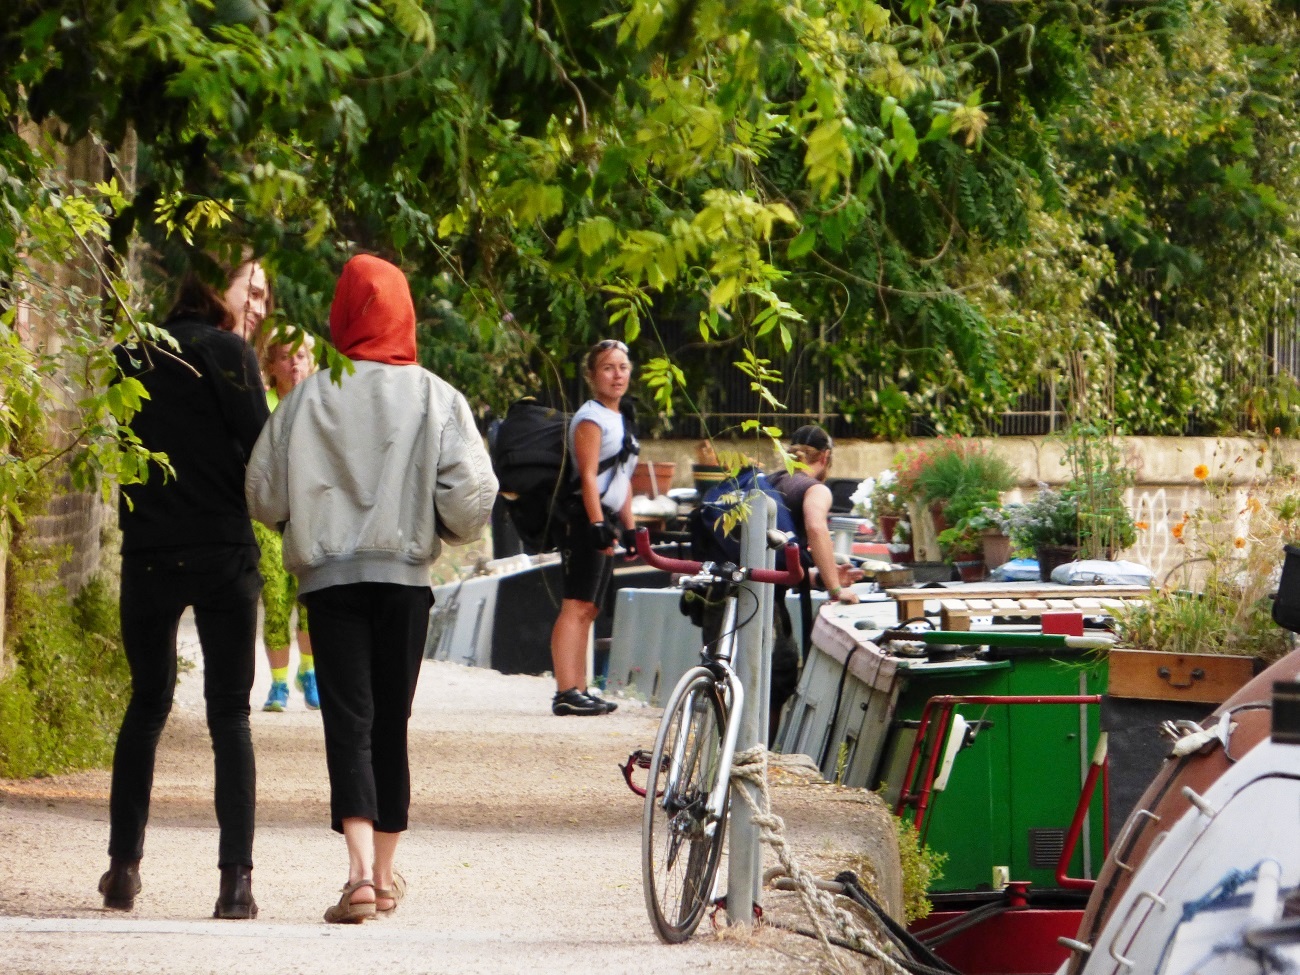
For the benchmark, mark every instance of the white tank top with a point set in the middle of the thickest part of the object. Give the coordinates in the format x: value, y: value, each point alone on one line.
x: 616, y: 483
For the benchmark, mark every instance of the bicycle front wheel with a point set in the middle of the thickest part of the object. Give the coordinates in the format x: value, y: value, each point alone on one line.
x: 681, y: 843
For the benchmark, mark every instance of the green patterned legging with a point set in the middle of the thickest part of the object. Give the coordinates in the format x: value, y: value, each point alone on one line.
x: 279, y: 590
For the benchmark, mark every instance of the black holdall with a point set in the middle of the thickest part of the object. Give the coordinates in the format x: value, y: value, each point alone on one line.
x: 530, y: 456
x: 1286, y: 604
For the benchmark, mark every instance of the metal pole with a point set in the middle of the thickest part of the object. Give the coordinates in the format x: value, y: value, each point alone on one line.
x: 754, y: 667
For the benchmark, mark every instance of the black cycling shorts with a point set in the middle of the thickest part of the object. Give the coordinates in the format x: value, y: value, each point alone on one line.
x: 587, y: 570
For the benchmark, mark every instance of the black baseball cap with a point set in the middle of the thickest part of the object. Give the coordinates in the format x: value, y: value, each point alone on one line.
x: 811, y: 435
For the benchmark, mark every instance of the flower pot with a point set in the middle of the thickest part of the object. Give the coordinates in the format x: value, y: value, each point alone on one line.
x: 936, y: 516
x: 653, y: 478
x: 1050, y: 556
x: 901, y: 552
x: 887, y: 524
x: 971, y: 570
x: 997, y: 548
x: 707, y: 477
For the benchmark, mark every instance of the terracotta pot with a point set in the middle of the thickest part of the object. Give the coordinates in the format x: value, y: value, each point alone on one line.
x: 1050, y: 556
x: 653, y: 478
x: 997, y: 548
x: 973, y: 570
x: 936, y: 515
x: 887, y: 525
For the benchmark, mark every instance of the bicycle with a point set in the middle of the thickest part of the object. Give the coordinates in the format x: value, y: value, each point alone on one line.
x: 688, y: 789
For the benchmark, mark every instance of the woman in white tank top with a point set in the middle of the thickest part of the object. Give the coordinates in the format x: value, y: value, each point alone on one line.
x: 596, y: 435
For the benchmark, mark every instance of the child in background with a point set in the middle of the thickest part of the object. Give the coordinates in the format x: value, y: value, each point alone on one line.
x: 284, y: 365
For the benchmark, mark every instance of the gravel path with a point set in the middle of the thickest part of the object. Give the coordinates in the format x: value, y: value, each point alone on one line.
x: 523, y: 853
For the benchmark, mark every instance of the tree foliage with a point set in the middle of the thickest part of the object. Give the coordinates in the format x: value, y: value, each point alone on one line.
x: 958, y: 201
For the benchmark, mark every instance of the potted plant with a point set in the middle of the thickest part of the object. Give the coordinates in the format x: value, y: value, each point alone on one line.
x: 1059, y: 526
x: 1047, y: 525
x: 900, y: 548
x: 962, y: 546
x: 876, y: 498
x: 951, y: 478
x: 1099, y: 477
x: 995, y: 544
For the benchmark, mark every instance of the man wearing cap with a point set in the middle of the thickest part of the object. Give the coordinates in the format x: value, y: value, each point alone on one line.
x: 809, y: 501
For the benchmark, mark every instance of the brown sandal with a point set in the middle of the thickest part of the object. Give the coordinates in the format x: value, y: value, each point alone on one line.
x: 394, y: 894
x: 346, y: 912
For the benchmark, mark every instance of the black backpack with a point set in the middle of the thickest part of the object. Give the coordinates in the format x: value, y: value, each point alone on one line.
x: 531, y: 458
x: 710, y: 541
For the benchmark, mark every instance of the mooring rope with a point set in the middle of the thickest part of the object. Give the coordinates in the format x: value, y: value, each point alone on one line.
x: 750, y: 767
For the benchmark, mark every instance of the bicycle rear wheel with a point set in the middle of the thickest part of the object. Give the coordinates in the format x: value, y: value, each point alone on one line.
x: 680, y: 843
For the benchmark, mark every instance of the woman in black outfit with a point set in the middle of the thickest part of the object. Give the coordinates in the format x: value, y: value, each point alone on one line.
x: 187, y: 541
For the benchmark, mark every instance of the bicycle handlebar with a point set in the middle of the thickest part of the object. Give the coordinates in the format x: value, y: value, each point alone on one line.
x: 790, y: 576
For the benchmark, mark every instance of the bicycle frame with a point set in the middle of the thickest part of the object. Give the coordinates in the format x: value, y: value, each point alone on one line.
x: 676, y: 896
x: 716, y: 665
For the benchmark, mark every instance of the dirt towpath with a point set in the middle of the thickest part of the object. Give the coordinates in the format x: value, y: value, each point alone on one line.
x: 523, y: 853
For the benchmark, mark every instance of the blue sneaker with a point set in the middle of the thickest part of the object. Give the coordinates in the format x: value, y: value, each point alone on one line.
x: 306, y: 682
x: 278, y: 698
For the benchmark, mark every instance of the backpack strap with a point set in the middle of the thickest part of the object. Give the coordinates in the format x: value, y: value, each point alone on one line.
x: 630, y: 444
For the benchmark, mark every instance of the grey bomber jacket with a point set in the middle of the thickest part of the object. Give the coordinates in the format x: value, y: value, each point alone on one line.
x: 369, y: 475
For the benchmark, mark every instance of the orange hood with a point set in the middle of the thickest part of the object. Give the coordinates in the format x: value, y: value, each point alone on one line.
x: 372, y: 316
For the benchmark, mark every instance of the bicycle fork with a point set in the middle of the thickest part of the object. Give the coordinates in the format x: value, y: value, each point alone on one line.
x: 730, y: 732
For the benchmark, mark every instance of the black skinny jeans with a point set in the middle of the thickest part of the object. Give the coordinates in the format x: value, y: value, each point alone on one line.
x: 222, y: 584
x: 368, y: 641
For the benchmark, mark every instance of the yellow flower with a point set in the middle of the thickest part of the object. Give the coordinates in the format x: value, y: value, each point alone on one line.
x: 1141, y: 525
x: 1200, y: 472
x: 1178, y: 531
x: 1238, y: 542
x: 1253, y: 506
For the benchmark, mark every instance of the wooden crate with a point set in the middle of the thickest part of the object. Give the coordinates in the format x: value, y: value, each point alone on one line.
x: 1202, y: 678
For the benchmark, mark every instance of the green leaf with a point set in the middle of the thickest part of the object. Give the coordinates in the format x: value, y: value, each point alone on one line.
x: 802, y: 244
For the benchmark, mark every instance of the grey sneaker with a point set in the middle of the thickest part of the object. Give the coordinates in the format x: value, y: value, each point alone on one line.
x: 573, y: 701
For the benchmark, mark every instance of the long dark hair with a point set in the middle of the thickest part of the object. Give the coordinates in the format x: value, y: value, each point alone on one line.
x: 195, y: 298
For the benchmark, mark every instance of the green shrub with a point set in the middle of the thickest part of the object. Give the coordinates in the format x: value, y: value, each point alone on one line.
x: 921, y: 868
x: 62, y: 704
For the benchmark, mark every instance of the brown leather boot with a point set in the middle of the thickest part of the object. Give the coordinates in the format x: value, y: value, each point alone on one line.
x: 235, y: 900
x: 120, y: 884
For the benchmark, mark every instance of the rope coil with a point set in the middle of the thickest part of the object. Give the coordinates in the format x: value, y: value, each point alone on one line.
x: 750, y: 768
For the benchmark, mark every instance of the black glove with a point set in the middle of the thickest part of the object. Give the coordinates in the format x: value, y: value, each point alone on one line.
x: 628, y: 539
x: 602, y: 534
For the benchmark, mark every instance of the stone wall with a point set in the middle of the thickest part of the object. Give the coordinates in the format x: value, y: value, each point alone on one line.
x: 1165, y: 485
x: 72, y: 521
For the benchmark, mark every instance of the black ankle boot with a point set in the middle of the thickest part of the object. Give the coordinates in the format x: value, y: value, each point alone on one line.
x: 235, y: 901
x: 120, y: 884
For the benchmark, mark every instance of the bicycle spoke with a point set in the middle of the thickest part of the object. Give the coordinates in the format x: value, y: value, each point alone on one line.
x: 681, y: 847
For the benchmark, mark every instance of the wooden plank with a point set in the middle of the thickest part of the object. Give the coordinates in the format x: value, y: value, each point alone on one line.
x: 1004, y: 603
x: 1033, y: 604
x: 955, y: 620
x: 1085, y: 603
x: 1065, y: 604
x: 1195, y: 677
x: 911, y: 608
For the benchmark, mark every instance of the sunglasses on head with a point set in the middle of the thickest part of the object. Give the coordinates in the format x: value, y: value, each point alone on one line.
x: 605, y: 344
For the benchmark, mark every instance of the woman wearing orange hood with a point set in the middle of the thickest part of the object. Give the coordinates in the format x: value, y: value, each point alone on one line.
x: 386, y: 465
